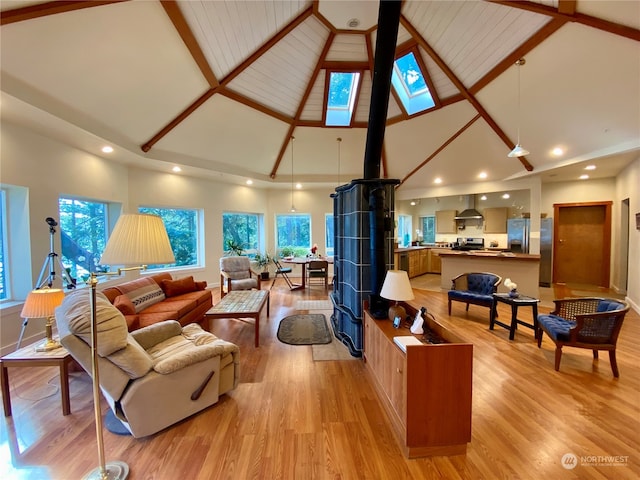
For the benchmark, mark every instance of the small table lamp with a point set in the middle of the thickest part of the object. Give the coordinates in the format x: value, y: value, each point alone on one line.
x: 42, y: 303
x: 397, y: 287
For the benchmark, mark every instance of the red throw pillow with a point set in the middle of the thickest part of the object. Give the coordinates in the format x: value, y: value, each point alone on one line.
x: 173, y: 288
x: 125, y: 305
x: 201, y: 285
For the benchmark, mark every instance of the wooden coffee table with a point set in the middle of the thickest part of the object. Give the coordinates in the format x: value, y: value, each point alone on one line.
x: 242, y: 304
x: 28, y: 357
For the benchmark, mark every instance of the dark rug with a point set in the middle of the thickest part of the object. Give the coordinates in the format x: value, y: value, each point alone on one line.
x: 114, y: 425
x: 304, y: 329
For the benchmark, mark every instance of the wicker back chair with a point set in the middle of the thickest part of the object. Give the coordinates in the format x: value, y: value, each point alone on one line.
x: 590, y: 322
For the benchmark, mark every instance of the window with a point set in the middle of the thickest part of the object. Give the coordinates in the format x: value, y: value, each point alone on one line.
x: 3, y: 242
x: 428, y: 229
x: 83, y: 232
x: 341, y: 98
x: 410, y: 84
x: 244, y: 230
x: 329, y: 233
x: 183, y: 230
x: 404, y: 230
x: 293, y: 232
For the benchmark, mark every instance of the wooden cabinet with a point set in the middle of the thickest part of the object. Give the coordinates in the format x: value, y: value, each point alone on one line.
x: 435, y: 264
x: 495, y: 220
x: 414, y: 263
x: 445, y: 221
x: 426, y: 391
x: 424, y: 260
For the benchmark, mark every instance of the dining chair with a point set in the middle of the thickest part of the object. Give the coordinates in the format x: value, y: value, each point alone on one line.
x: 318, y: 273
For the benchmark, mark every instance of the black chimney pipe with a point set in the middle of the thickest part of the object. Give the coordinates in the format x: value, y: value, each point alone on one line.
x: 379, y: 220
x: 388, y: 23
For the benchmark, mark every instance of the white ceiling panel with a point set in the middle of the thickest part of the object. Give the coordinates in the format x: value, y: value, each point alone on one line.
x: 314, y: 106
x: 347, y: 47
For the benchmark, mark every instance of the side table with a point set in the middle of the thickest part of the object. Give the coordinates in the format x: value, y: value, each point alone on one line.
x: 28, y: 357
x: 515, y: 302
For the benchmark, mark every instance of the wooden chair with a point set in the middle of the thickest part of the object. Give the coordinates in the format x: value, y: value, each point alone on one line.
x: 318, y: 269
x: 589, y: 322
x: 236, y: 274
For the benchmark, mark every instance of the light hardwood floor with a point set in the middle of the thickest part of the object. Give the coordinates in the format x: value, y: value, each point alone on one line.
x: 293, y: 418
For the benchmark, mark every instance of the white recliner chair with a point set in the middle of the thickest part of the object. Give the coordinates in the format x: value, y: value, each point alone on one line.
x: 152, y: 377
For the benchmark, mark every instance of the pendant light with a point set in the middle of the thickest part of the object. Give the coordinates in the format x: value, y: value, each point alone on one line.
x: 518, y: 151
x: 293, y: 208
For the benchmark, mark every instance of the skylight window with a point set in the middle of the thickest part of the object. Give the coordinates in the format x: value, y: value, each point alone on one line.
x: 410, y: 84
x: 343, y: 90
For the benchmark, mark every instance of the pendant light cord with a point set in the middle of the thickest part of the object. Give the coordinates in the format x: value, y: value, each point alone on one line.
x: 339, y: 142
x: 293, y: 208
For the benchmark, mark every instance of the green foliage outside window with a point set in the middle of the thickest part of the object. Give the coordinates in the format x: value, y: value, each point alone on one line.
x: 240, y: 233
x: 182, y: 229
x: 294, y: 231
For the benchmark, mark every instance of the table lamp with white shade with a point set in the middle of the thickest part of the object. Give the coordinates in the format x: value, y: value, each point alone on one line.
x: 396, y: 287
x: 137, y: 240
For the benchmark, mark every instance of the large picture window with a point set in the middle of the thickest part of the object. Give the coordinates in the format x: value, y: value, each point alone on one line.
x: 242, y: 230
x: 329, y: 233
x: 293, y: 232
x: 183, y: 230
x: 404, y: 230
x: 428, y: 229
x: 83, y: 232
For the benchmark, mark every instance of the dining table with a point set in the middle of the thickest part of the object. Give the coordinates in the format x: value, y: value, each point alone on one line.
x: 303, y: 262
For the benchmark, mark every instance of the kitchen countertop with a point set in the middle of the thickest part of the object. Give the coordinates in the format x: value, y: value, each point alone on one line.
x: 491, y: 254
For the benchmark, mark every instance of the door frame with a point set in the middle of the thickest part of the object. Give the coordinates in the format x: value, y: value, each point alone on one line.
x: 605, y: 278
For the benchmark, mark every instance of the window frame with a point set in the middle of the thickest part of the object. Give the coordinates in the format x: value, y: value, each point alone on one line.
x: 5, y: 266
x: 409, y: 106
x: 354, y: 96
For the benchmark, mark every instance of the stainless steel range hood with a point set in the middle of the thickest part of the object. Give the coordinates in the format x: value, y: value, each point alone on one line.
x: 470, y: 213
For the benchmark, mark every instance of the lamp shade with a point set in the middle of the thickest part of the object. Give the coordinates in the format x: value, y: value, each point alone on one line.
x: 138, y: 239
x: 518, y: 151
x: 42, y: 303
x: 396, y: 286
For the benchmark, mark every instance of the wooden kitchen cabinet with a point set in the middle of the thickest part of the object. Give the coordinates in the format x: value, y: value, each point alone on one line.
x: 426, y: 392
x: 435, y: 264
x: 446, y: 221
x: 424, y: 261
x: 495, y: 220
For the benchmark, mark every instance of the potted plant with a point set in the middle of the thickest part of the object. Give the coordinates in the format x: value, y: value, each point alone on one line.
x: 234, y: 248
x: 262, y: 261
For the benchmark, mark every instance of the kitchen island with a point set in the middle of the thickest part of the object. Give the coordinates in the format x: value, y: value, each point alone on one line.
x: 521, y: 268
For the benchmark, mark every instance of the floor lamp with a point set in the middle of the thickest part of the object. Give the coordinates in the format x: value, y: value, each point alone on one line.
x: 139, y: 240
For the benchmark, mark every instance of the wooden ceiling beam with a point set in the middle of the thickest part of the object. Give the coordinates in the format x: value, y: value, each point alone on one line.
x: 227, y: 92
x: 567, y: 7
x: 463, y: 90
x: 49, y: 8
x: 588, y: 20
x: 180, y: 23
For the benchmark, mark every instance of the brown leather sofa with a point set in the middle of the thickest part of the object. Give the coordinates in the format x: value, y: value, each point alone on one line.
x: 156, y: 298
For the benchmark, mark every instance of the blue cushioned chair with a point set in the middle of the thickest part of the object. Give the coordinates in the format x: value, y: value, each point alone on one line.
x: 592, y: 323
x: 476, y: 288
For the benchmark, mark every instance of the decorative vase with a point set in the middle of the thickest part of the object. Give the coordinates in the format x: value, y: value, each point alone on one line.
x: 514, y: 293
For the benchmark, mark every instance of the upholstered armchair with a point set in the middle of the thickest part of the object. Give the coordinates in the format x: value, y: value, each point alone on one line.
x: 236, y: 274
x: 152, y: 377
x: 475, y: 288
x: 588, y: 322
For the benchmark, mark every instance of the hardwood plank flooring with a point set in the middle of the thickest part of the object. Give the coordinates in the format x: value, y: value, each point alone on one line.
x: 293, y: 418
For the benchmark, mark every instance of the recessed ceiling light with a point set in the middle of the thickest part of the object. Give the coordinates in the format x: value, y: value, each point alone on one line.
x: 584, y: 176
x: 483, y: 197
x: 298, y: 186
x: 107, y: 149
x: 590, y: 167
x: 176, y: 169
x: 249, y: 182
x: 413, y: 202
x: 557, y: 152
x: 506, y: 195
x: 437, y: 180
x: 353, y: 23
x: 482, y: 175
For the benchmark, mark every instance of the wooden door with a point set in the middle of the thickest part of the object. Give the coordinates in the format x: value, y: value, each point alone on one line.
x: 582, y: 243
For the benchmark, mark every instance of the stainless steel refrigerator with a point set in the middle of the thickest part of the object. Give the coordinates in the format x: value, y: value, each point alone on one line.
x: 518, y: 242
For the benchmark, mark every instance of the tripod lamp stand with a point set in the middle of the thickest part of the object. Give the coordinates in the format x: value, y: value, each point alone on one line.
x: 140, y: 240
x: 42, y: 304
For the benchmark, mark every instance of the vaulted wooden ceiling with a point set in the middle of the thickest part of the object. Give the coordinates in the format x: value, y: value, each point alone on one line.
x: 220, y: 87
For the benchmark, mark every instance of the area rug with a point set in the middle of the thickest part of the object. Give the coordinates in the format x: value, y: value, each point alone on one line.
x: 314, y: 305
x: 304, y: 329
x: 331, y: 351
